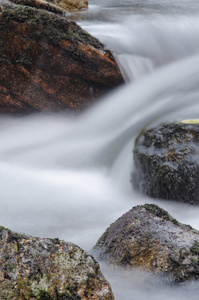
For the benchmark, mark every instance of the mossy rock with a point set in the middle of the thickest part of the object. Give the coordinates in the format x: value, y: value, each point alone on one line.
x: 166, y: 162
x: 48, y: 269
x: 49, y: 63
x: 149, y: 238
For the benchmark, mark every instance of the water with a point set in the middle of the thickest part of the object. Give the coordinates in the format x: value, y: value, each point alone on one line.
x: 69, y: 176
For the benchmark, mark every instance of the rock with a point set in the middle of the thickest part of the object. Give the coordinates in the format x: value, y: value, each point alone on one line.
x: 49, y: 63
x: 40, y: 4
x: 56, y: 6
x: 36, y: 268
x: 166, y: 162
x: 70, y: 4
x: 147, y: 237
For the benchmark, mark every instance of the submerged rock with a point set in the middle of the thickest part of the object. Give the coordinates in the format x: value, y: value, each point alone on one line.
x: 166, y: 160
x: 148, y: 237
x: 56, y: 6
x: 49, y: 63
x: 36, y: 268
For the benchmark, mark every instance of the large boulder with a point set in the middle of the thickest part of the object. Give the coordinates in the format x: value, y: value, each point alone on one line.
x: 49, y: 63
x: 148, y: 237
x: 166, y: 162
x: 36, y: 268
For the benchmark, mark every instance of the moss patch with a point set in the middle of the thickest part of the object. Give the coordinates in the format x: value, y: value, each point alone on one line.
x: 159, y: 212
x: 195, y: 248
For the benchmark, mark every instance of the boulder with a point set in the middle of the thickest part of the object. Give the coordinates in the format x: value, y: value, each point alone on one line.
x: 37, y: 268
x: 56, y: 6
x: 147, y: 237
x: 49, y: 63
x: 166, y: 163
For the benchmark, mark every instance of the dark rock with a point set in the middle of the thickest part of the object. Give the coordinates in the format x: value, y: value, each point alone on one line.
x: 36, y: 268
x: 147, y: 237
x: 166, y: 160
x: 49, y: 63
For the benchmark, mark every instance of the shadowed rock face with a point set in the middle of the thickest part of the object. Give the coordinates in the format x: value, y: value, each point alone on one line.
x: 166, y: 162
x: 148, y: 237
x: 48, y: 63
x: 36, y: 268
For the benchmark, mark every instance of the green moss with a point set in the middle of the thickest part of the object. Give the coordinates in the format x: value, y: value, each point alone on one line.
x: 195, y: 248
x: 18, y: 13
x: 56, y: 241
x: 159, y: 212
x: 49, y: 27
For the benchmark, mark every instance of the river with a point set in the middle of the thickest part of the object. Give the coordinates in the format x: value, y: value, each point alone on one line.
x: 68, y: 176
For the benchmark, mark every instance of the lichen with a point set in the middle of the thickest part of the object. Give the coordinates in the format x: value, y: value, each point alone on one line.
x: 39, y: 285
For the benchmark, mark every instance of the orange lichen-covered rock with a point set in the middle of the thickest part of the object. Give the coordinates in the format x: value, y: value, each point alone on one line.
x: 149, y: 238
x: 37, y: 268
x: 48, y: 63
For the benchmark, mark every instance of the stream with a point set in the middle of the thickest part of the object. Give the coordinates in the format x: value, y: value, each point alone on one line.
x: 68, y: 176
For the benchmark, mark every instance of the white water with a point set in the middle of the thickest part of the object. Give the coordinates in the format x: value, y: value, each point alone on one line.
x: 69, y: 177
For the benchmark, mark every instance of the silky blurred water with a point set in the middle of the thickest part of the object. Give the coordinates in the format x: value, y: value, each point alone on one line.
x: 68, y: 176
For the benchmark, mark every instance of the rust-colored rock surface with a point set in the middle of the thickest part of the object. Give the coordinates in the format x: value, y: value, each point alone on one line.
x: 48, y: 63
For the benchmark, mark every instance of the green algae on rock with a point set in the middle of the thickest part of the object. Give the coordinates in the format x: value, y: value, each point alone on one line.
x: 49, y: 63
x: 166, y: 162
x: 148, y: 237
x: 37, y: 268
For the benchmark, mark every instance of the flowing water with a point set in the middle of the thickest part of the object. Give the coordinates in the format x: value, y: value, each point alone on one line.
x: 68, y: 176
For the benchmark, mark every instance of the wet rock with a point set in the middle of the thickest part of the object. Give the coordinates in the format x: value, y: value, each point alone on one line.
x: 56, y: 6
x: 36, y: 268
x: 147, y: 237
x: 49, y: 63
x: 70, y: 4
x: 166, y: 160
